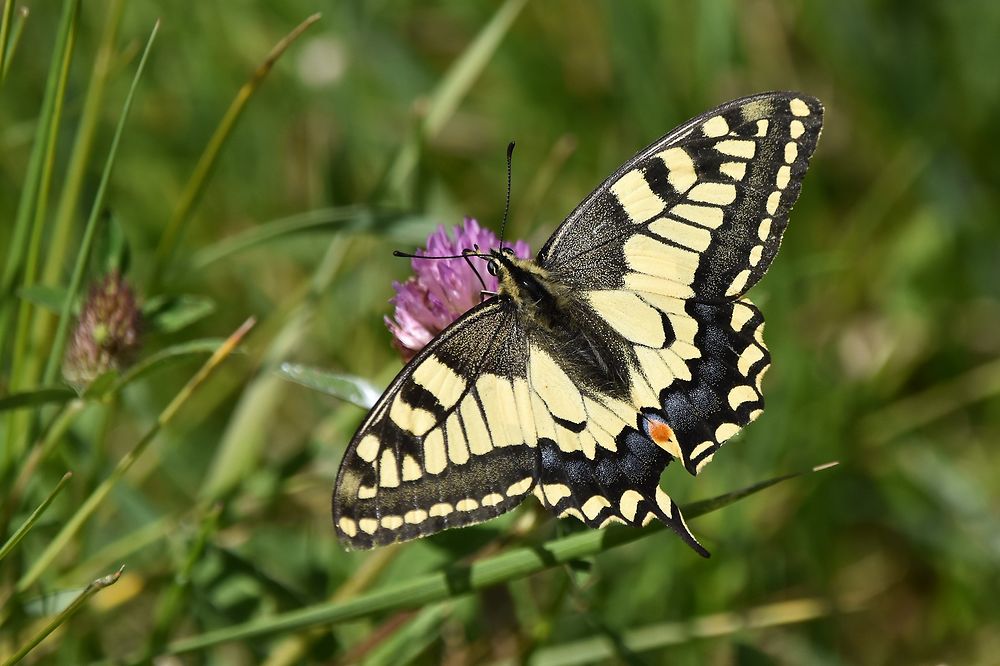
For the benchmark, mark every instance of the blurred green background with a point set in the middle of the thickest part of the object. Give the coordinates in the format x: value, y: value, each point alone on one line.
x: 385, y: 119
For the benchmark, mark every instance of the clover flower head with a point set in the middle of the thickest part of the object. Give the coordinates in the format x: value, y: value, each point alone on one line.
x: 442, y: 290
x: 107, y: 332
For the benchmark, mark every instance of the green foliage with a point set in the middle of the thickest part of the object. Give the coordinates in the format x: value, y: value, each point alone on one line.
x: 242, y: 167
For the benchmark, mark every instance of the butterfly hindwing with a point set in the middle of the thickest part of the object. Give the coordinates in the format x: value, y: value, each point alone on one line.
x: 443, y: 447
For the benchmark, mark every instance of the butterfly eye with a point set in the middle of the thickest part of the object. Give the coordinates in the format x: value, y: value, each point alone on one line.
x: 509, y: 251
x: 492, y: 268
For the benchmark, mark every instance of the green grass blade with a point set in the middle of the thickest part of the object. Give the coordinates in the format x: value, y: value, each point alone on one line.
x: 16, y: 537
x: 36, y: 398
x: 163, y: 358
x: 347, y: 218
x: 89, y: 506
x: 450, y: 91
x: 461, y: 579
x: 206, y: 163
x: 354, y: 390
x: 68, y: 612
x: 83, y: 255
x: 62, y: 228
x: 9, y: 42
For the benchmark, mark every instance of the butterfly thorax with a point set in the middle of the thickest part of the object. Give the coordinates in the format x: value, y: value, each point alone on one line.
x: 553, y: 314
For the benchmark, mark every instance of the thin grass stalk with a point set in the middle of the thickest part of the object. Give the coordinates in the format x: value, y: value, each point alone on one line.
x: 95, y: 499
x: 209, y: 158
x: 5, y: 21
x: 83, y: 255
x: 460, y: 579
x: 448, y: 94
x: 25, y: 527
x: 15, y: 39
x: 68, y: 612
x: 62, y: 228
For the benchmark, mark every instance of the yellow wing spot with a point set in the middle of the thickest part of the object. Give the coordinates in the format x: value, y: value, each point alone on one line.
x: 791, y: 151
x: 440, y: 509
x: 701, y: 448
x: 629, y: 504
x: 368, y: 525
x: 554, y: 387
x: 772, y: 202
x: 412, y: 419
x: 739, y: 282
x: 588, y: 444
x: 571, y: 512
x: 610, y: 520
x: 657, y: 285
x: 650, y: 517
x: 367, y: 492
x: 715, y: 126
x: 520, y: 487
x: 592, y: 507
x: 755, y: 413
x: 663, y: 501
x: 741, y: 315
x: 719, y: 194
x: 467, y: 504
x: 458, y: 450
x: 705, y: 461
x: 629, y: 315
x: 635, y: 196
x: 764, y: 230
x: 755, y: 254
x: 737, y: 148
x: 492, y: 499
x: 680, y: 167
x: 435, y: 456
x: 735, y: 170
x: 554, y: 492
x: 388, y: 472
x: 411, y: 468
x: 706, y: 216
x: 796, y: 129
x: 689, y: 235
x: 678, y: 368
x: 748, y: 358
x: 725, y: 431
x: 392, y: 522
x: 415, y: 516
x: 740, y: 395
x: 643, y: 394
x: 478, y: 437
x: 784, y: 175
x: 367, y: 448
x: 444, y: 383
x: 348, y: 526
x: 762, y: 127
x: 525, y: 414
x: 798, y: 107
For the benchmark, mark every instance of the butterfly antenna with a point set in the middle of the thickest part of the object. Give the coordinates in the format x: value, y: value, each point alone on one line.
x: 506, y: 207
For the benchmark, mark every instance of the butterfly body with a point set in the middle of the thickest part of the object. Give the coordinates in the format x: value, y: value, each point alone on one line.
x: 624, y: 345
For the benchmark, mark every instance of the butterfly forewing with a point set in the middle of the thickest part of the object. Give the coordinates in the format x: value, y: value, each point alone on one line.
x: 444, y: 446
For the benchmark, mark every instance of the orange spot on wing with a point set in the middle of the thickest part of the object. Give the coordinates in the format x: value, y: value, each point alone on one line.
x: 660, y: 432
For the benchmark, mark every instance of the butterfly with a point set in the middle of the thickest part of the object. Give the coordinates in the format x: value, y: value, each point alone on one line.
x: 627, y: 343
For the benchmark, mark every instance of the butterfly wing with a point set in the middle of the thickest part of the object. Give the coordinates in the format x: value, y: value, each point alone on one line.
x: 446, y: 444
x: 664, y: 249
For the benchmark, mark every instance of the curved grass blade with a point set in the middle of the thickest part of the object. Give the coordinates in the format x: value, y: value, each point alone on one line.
x: 68, y: 612
x: 16, y: 537
x: 206, y: 163
x: 83, y: 255
x: 461, y: 579
x: 354, y: 390
x: 35, y: 398
x: 165, y: 357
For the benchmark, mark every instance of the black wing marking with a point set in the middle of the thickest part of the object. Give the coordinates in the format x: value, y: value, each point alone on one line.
x: 444, y: 446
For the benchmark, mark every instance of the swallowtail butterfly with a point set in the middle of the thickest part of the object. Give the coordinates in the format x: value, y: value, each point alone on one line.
x: 627, y: 343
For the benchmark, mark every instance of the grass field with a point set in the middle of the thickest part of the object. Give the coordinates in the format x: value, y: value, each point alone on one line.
x: 250, y: 179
